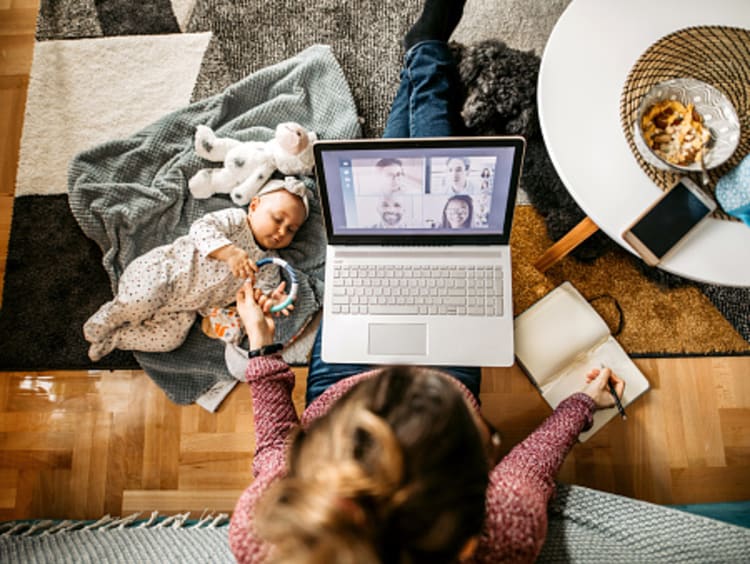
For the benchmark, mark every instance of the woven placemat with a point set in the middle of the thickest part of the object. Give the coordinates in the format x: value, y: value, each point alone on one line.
x: 717, y: 55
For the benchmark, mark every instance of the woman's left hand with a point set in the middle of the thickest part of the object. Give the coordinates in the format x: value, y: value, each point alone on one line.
x: 278, y: 296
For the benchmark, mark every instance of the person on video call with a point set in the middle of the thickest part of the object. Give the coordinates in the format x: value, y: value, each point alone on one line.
x: 396, y: 464
x: 458, y: 176
x: 458, y: 212
x: 485, y: 184
x: 393, y: 178
x: 390, y: 209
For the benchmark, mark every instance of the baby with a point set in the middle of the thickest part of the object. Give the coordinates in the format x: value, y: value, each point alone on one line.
x: 161, y: 292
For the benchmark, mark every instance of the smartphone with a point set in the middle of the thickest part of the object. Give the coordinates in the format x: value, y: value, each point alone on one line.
x: 669, y: 220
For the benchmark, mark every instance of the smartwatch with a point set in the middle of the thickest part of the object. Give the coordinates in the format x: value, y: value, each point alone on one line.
x: 265, y: 350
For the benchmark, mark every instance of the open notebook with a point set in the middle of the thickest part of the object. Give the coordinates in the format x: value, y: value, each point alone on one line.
x: 561, y: 338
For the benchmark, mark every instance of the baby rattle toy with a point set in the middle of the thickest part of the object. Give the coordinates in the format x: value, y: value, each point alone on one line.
x: 292, y: 294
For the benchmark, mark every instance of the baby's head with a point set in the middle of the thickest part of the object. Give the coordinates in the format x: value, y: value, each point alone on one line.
x: 277, y: 212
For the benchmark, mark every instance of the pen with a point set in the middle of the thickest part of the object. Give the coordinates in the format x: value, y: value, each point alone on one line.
x: 618, y: 403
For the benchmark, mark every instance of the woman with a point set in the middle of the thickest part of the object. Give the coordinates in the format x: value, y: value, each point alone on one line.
x: 458, y: 212
x: 395, y: 464
x: 392, y: 465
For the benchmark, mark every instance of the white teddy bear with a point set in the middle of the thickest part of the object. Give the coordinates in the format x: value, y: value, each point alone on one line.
x: 248, y: 165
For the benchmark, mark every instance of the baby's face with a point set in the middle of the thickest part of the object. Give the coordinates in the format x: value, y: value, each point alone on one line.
x: 275, y: 218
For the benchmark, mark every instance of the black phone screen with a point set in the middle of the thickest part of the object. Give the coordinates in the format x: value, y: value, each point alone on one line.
x: 670, y: 220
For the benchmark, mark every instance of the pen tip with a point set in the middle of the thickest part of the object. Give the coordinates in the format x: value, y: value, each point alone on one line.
x: 624, y: 417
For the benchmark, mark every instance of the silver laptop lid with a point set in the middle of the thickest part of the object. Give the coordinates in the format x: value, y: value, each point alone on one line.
x: 423, y: 191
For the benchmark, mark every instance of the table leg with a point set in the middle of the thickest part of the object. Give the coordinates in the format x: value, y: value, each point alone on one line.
x: 585, y: 229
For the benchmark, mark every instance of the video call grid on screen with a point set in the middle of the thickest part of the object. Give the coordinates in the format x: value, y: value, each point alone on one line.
x: 420, y: 191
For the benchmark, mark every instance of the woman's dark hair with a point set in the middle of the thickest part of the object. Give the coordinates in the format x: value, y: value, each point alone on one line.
x: 465, y: 198
x: 395, y: 472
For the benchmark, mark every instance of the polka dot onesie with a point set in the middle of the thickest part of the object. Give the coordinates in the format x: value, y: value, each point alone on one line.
x: 161, y: 292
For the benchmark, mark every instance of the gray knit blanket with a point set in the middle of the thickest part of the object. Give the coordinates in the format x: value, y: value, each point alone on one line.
x: 131, y: 195
x: 585, y: 526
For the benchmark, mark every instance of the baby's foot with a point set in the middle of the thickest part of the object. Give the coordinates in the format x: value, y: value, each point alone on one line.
x: 100, y: 349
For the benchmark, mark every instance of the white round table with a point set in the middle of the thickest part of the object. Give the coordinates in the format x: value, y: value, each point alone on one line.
x: 586, y: 61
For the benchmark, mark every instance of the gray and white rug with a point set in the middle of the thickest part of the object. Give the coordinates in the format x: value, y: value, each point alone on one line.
x: 103, y: 71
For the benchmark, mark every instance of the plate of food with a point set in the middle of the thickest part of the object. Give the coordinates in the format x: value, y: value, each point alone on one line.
x: 684, y: 121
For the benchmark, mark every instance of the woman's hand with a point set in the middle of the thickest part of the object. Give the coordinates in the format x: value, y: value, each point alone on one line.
x: 253, y: 306
x: 278, y: 296
x: 597, y: 387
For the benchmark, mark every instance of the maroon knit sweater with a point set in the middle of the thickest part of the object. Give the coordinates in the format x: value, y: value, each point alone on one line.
x: 519, y: 489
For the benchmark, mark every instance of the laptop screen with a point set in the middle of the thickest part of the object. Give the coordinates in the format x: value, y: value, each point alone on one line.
x: 419, y: 191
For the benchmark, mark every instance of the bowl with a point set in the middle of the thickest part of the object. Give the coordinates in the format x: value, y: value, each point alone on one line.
x: 717, y: 112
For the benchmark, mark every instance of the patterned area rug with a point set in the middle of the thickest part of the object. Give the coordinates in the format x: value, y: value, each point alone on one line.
x: 103, y: 71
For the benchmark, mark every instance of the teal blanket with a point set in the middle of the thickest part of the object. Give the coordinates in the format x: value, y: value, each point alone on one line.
x: 131, y: 195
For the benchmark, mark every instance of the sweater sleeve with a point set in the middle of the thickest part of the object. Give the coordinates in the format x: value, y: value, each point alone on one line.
x: 271, y: 382
x: 522, y: 484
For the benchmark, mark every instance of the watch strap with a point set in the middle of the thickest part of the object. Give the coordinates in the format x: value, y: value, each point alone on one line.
x: 265, y: 350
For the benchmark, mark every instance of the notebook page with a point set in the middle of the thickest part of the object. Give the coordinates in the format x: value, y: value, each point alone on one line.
x: 556, y: 329
x: 572, y: 380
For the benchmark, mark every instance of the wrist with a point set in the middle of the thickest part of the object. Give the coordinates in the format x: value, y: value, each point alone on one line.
x: 258, y: 341
x: 587, y: 400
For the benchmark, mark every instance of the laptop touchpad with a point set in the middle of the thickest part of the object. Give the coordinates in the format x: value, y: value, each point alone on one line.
x: 398, y: 338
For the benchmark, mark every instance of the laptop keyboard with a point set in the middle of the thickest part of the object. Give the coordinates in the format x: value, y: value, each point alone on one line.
x: 369, y: 289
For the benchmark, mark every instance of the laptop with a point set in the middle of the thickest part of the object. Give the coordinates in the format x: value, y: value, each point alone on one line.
x: 418, y: 267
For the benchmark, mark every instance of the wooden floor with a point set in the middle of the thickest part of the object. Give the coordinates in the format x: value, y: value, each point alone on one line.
x: 83, y: 444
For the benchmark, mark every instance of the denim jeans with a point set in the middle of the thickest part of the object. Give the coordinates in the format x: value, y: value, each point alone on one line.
x: 427, y: 104
x: 322, y: 374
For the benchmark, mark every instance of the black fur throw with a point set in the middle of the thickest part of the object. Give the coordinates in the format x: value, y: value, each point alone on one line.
x: 500, y: 99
